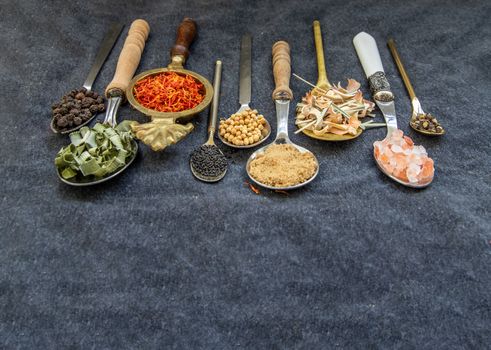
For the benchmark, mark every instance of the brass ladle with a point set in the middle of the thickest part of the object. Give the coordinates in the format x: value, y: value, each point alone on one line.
x: 168, y: 128
x: 323, y: 85
x: 417, y: 110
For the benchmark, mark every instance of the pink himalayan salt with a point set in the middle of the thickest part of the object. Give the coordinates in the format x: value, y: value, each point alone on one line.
x: 398, y: 156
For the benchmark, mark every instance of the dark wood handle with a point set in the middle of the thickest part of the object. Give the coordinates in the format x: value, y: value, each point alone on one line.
x: 185, y: 36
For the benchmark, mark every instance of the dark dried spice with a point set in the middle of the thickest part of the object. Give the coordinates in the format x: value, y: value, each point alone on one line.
x: 94, y: 109
x: 62, y: 122
x: 208, y: 161
x: 80, y: 104
x: 426, y: 122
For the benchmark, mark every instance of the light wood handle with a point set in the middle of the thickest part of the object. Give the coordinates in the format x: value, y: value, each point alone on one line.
x: 282, y: 71
x: 130, y: 56
x: 186, y: 33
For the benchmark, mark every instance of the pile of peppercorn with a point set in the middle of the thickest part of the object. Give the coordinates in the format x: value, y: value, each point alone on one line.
x: 75, y: 108
x: 426, y: 122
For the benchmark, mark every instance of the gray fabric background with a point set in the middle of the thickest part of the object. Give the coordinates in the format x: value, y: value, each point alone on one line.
x: 155, y: 259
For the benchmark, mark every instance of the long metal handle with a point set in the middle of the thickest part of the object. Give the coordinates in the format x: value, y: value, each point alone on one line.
x: 319, y: 50
x: 282, y: 109
x: 245, y: 72
x: 215, y: 102
x: 107, y: 45
x: 397, y: 59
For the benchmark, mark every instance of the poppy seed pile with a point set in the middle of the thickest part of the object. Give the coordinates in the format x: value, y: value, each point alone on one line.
x: 208, y: 161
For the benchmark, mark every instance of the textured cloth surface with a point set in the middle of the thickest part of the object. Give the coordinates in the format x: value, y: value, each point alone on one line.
x: 155, y: 259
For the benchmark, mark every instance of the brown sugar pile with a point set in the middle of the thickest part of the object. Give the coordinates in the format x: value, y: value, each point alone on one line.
x: 282, y: 166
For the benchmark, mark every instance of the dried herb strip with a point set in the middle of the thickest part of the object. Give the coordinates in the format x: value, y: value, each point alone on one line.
x: 96, y: 152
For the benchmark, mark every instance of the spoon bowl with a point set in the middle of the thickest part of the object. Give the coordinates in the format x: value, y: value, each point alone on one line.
x: 203, y: 177
x: 268, y: 130
x: 286, y: 188
x: 64, y: 132
x: 88, y: 181
x: 404, y: 183
x: 332, y: 137
x: 417, y: 111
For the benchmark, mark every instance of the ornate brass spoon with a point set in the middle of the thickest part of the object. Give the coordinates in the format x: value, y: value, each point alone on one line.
x: 282, y: 95
x: 322, y: 86
x: 213, y: 166
x: 163, y: 129
x: 418, y: 112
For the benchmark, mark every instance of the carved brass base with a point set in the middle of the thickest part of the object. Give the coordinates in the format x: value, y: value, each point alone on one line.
x: 160, y: 133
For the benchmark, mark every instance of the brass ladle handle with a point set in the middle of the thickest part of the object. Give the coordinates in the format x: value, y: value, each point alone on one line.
x: 319, y: 50
x: 402, y: 71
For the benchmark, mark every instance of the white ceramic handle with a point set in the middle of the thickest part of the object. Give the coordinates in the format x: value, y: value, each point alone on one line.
x: 367, y: 51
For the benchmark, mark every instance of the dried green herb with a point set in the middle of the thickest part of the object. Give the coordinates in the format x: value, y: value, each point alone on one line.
x: 96, y: 152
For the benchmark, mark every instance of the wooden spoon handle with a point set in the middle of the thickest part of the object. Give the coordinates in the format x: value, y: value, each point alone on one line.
x: 282, y: 71
x: 130, y: 56
x: 186, y: 32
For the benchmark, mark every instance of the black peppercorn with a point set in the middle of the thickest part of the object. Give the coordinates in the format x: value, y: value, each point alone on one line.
x: 94, y: 109
x: 76, y: 107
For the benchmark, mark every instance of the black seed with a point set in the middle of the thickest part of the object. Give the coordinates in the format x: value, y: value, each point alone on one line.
x: 208, y: 161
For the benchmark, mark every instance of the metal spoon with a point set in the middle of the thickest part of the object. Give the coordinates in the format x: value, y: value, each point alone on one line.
x: 417, y: 110
x: 367, y: 51
x: 108, y: 43
x: 322, y: 86
x: 211, y: 131
x: 128, y: 61
x: 282, y: 96
x: 245, y: 75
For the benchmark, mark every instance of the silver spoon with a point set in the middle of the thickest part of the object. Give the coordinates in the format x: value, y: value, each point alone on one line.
x: 128, y: 61
x: 107, y: 45
x: 217, y: 155
x: 367, y: 51
x: 245, y: 87
x: 282, y: 96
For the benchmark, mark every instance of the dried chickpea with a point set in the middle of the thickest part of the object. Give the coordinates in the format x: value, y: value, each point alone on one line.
x: 244, y: 128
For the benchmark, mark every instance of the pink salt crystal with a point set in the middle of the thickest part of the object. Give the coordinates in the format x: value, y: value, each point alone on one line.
x: 396, y: 149
x: 400, y: 158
